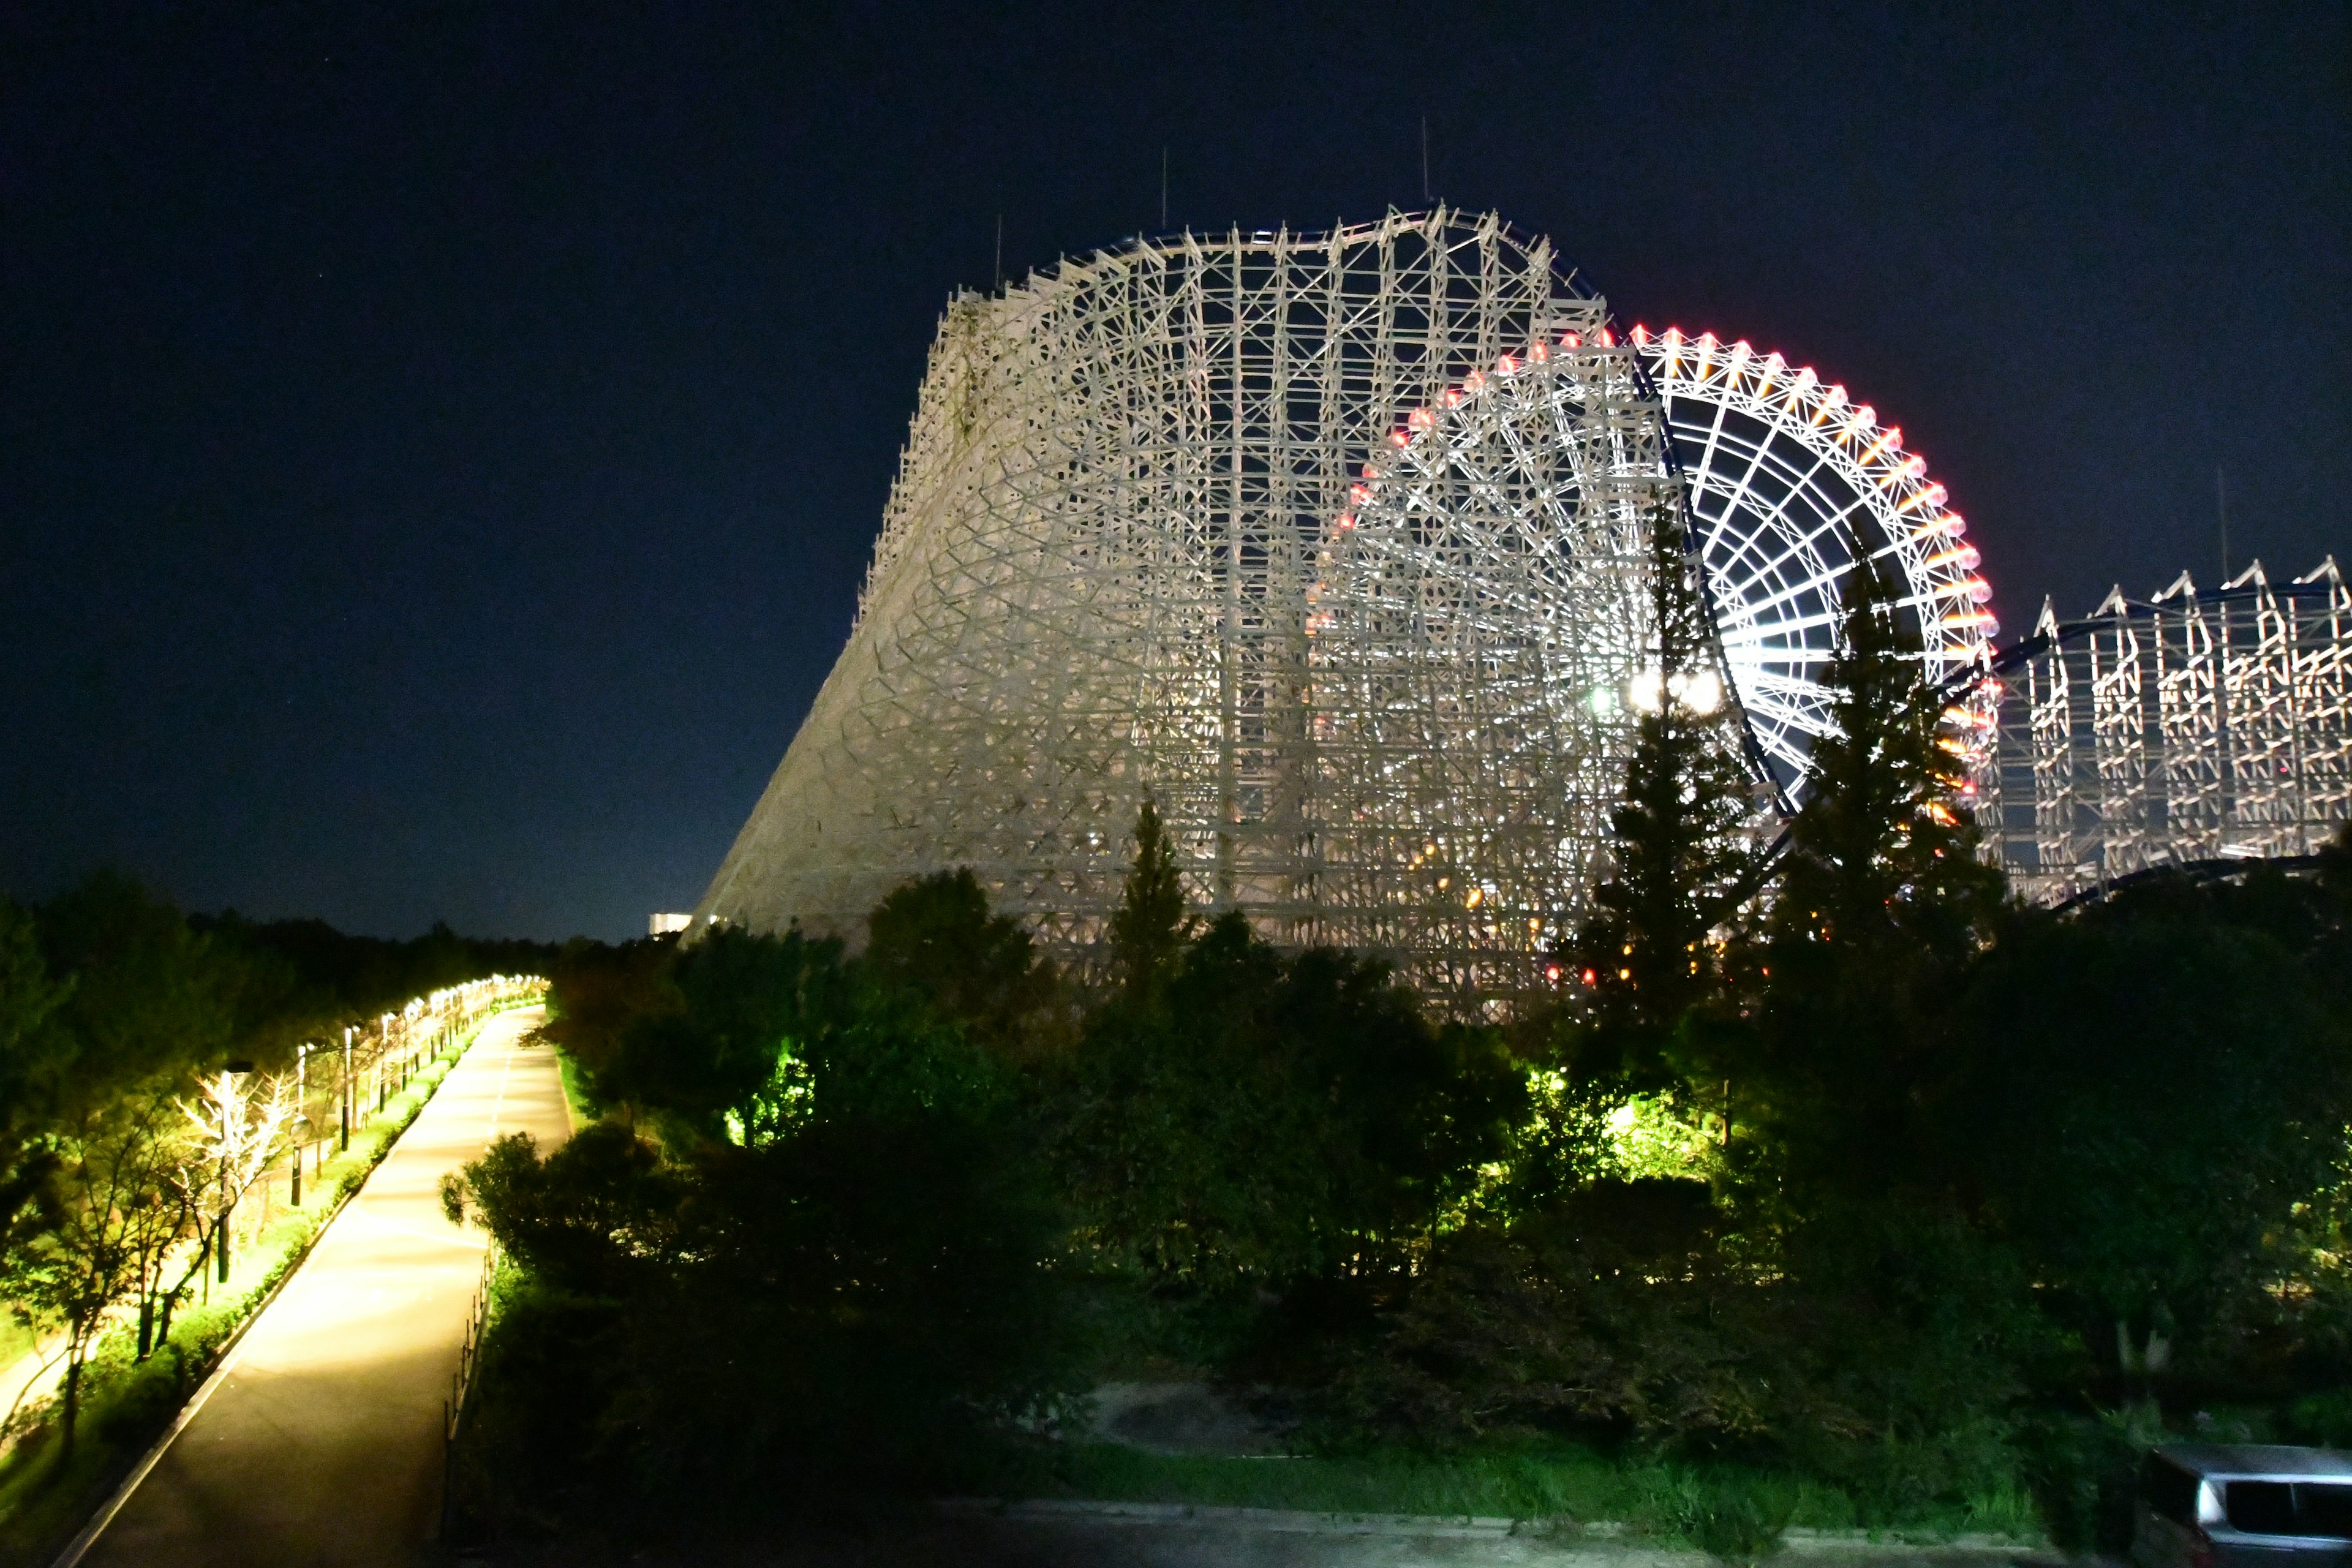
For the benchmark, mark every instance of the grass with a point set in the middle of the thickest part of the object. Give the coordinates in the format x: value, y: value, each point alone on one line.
x: 16, y: 1340
x: 575, y: 1091
x: 1730, y: 1512
x: 46, y: 1493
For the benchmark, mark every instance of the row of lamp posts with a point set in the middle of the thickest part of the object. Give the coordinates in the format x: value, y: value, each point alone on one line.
x: 237, y: 1071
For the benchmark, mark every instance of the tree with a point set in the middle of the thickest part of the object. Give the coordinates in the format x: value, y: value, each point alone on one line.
x: 1265, y: 1117
x: 936, y: 940
x: 1150, y: 928
x: 1882, y: 904
x: 2150, y: 1098
x: 112, y: 1182
x: 235, y: 1129
x: 152, y: 996
x: 1680, y: 852
x: 31, y: 1057
x: 91, y: 1081
x: 1882, y: 858
x: 864, y: 1281
x: 597, y: 991
x: 709, y: 1033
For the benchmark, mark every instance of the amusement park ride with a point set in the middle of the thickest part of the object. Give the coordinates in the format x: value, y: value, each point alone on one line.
x: 1333, y: 546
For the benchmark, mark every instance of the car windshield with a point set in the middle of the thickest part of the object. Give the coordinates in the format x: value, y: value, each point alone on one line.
x: 2169, y: 1489
x: 2290, y: 1508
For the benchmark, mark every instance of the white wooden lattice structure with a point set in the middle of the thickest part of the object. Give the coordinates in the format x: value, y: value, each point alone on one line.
x: 2184, y: 728
x: 1331, y: 544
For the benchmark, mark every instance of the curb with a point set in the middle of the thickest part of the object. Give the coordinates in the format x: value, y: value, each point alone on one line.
x: 1606, y: 1533
x: 1278, y: 1521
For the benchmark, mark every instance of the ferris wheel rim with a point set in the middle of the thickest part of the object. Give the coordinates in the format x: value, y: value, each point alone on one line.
x: 1791, y: 482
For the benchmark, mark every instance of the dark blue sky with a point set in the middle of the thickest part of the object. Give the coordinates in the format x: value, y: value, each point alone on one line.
x: 439, y: 444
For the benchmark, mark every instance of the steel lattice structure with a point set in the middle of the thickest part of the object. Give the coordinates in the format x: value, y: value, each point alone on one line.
x: 2180, y: 728
x: 1332, y: 545
x: 1791, y: 483
x: 1323, y: 543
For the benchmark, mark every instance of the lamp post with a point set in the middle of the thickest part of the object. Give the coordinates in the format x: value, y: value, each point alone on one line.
x: 302, y: 1110
x: 232, y: 1101
x: 346, y: 1138
x: 301, y: 1124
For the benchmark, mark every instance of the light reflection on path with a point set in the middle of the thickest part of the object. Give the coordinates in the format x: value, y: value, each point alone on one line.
x: 321, y: 1443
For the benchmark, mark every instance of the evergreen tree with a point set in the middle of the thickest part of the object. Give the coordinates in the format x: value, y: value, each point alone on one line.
x: 1681, y: 858
x: 1883, y: 854
x: 1882, y: 904
x: 1150, y: 928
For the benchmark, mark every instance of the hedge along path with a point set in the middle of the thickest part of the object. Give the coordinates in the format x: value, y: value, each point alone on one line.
x: 320, y: 1437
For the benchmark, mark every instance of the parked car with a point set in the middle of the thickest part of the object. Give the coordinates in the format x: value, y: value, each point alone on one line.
x: 2241, y: 1505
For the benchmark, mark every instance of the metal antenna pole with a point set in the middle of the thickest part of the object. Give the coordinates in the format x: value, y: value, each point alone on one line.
x: 2222, y: 508
x: 1163, y: 187
x: 1425, y: 160
x: 1000, y: 250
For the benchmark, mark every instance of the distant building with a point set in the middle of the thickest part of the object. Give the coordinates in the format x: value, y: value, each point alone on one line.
x: 666, y: 922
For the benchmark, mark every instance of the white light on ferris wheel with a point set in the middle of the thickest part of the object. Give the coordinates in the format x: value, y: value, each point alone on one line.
x: 1700, y: 692
x: 1790, y: 482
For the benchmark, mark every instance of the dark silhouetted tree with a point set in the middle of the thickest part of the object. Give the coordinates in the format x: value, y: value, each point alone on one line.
x: 1648, y: 952
x: 936, y: 939
x: 1150, y: 927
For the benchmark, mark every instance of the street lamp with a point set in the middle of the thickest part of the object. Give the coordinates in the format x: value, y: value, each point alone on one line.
x: 232, y: 1101
x: 302, y: 1125
x: 346, y: 1140
x: 302, y: 1112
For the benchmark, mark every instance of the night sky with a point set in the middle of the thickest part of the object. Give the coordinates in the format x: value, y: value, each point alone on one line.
x: 439, y: 445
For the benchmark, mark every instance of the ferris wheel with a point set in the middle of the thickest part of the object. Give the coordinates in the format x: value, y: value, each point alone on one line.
x: 1790, y: 482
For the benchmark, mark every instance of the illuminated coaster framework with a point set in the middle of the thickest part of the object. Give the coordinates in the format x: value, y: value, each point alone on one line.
x: 1322, y: 542
x: 2186, y: 728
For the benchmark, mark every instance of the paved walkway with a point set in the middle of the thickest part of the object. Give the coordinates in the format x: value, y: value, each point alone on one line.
x: 323, y: 1444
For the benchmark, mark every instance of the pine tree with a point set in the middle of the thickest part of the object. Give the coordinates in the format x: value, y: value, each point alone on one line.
x: 1150, y: 927
x: 1648, y: 950
x: 1883, y: 854
x: 1881, y: 901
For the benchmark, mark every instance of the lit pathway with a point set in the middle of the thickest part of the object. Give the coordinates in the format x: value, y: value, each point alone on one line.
x: 323, y: 1444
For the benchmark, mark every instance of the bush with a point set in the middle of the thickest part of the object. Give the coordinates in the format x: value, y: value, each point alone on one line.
x: 2083, y: 1469
x: 1731, y: 1519
x: 851, y: 1304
